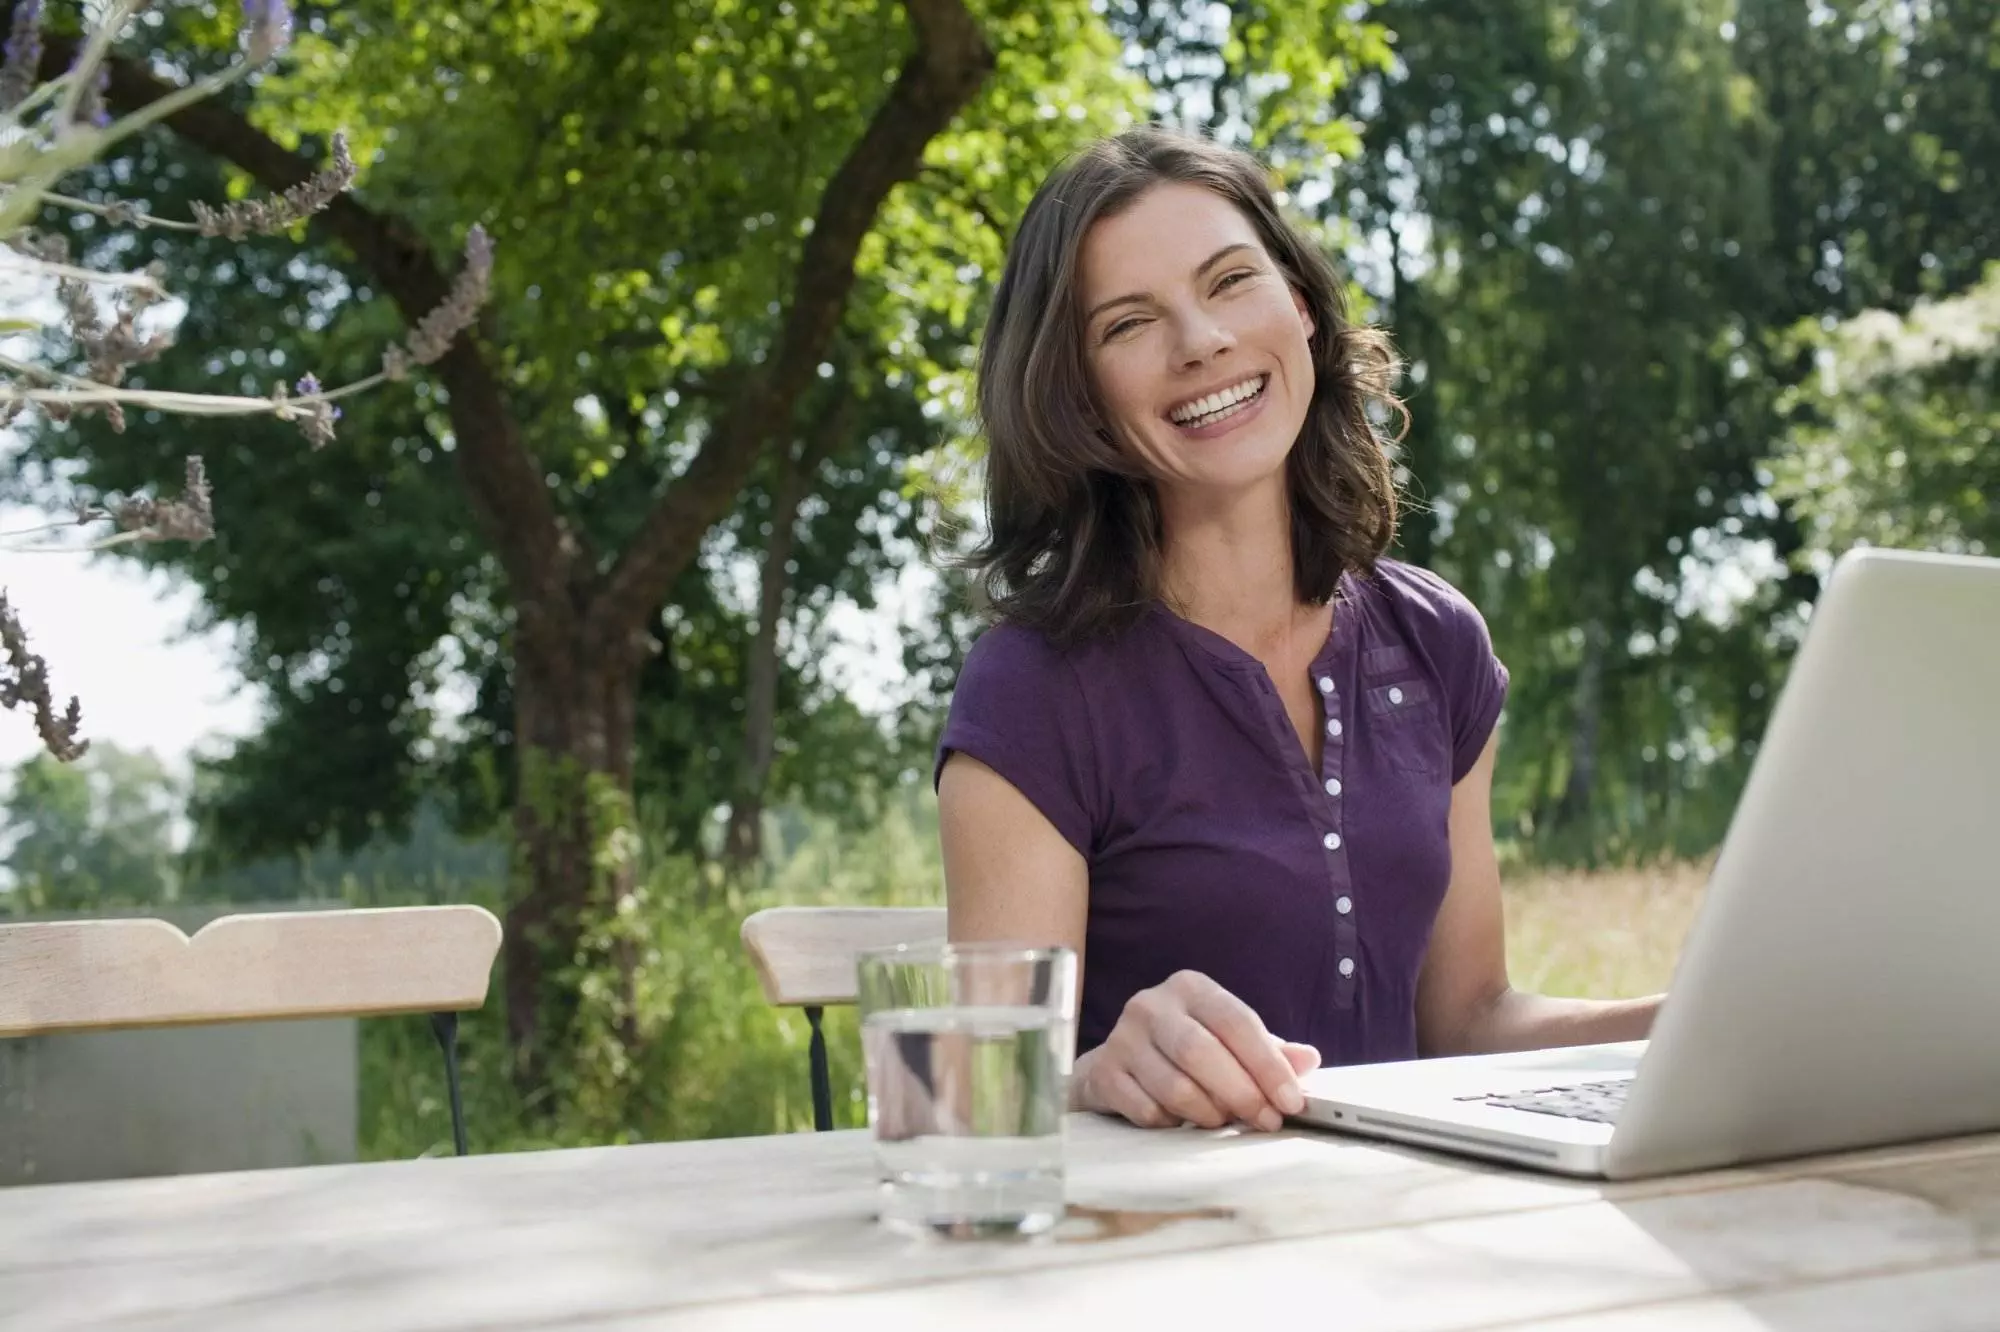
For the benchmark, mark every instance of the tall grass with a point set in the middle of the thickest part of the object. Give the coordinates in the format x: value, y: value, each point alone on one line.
x: 1604, y: 934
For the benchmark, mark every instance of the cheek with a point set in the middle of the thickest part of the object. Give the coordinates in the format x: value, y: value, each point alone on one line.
x: 1125, y: 392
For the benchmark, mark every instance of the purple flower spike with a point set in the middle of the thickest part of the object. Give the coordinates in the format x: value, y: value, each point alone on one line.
x: 267, y: 27
x: 308, y: 385
x: 23, y: 53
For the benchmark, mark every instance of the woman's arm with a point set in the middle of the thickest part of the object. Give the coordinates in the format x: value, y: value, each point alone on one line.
x: 1185, y: 1051
x: 1009, y: 875
x: 1465, y: 1004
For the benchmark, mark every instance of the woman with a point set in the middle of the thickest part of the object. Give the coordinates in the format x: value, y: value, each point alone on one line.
x: 1217, y: 743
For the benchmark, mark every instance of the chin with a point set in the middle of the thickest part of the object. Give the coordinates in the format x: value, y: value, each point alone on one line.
x: 1230, y: 467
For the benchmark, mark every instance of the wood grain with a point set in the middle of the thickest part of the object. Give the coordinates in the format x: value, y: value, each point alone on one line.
x: 805, y: 955
x: 1178, y: 1228
x: 96, y: 974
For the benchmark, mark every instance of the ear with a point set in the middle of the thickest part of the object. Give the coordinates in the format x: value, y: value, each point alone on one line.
x: 1305, y: 315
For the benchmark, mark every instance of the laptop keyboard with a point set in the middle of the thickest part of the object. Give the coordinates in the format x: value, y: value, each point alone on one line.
x: 1598, y: 1102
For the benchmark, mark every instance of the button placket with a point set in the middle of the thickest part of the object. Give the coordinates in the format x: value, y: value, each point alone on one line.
x: 1333, y: 842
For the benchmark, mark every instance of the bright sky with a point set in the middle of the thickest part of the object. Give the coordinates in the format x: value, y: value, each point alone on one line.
x: 117, y: 638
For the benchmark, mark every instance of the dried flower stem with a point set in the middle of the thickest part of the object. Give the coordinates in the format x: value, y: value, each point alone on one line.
x: 26, y: 263
x: 25, y: 679
x: 83, y: 392
x: 122, y: 213
x: 93, y: 55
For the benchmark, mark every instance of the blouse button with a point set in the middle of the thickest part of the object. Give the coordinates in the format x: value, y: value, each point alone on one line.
x: 1343, y: 905
x: 1331, y: 841
x: 1347, y: 966
x: 1333, y: 726
x: 1326, y: 684
x: 1333, y: 786
x: 1395, y: 696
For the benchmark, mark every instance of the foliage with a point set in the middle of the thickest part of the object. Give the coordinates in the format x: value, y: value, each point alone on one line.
x: 90, y: 834
x: 716, y: 1059
x: 1897, y: 434
x: 54, y: 125
x: 651, y: 172
x: 1598, y: 223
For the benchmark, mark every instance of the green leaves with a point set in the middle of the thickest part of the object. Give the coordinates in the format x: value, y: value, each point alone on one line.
x: 1896, y: 434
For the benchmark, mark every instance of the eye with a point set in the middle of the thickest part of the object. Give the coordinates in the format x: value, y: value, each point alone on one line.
x: 1122, y: 327
x: 1232, y: 279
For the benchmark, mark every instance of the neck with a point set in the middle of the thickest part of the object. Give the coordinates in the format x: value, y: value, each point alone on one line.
x: 1228, y: 562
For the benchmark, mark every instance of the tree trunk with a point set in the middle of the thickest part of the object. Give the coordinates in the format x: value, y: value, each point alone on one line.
x: 573, y: 731
x: 745, y: 845
x: 1587, y: 713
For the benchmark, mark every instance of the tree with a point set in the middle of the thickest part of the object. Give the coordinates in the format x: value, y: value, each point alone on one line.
x: 1896, y: 437
x: 93, y: 833
x: 53, y: 121
x: 706, y: 216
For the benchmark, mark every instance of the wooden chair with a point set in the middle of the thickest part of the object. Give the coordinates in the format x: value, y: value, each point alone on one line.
x: 96, y: 975
x: 804, y: 958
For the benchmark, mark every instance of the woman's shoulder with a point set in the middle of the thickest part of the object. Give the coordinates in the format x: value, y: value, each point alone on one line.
x: 1011, y: 649
x: 1428, y: 607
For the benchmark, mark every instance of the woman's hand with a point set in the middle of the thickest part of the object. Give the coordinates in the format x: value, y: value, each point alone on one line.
x: 1188, y: 1051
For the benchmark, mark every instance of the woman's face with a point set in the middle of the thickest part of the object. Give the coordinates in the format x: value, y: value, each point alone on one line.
x: 1195, y: 341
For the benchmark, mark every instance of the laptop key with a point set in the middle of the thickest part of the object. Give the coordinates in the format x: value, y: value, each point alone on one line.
x: 1596, y: 1102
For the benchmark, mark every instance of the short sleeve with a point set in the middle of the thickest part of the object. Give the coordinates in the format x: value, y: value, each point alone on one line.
x: 1019, y: 708
x: 1455, y: 638
x: 1475, y: 682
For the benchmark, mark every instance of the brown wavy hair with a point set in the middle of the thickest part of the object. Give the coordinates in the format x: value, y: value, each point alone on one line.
x: 1074, y: 538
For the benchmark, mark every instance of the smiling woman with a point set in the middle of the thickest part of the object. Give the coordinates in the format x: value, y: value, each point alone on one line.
x: 1218, y: 743
x: 1154, y: 281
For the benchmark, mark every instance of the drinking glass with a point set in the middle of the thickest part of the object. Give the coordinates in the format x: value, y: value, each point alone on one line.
x: 968, y: 1049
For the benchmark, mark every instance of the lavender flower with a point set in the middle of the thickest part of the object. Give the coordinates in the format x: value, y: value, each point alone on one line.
x: 24, y: 678
x: 267, y: 28
x: 23, y: 54
x: 271, y: 216
x: 435, y: 333
x: 189, y: 518
x: 315, y: 418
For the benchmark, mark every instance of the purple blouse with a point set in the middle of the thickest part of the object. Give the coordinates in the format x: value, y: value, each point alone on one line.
x: 1165, y: 757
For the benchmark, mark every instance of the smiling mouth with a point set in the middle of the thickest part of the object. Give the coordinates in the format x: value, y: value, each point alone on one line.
x: 1220, y: 406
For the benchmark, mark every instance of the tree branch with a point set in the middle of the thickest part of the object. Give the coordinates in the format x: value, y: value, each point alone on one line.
x: 501, y: 478
x: 950, y: 61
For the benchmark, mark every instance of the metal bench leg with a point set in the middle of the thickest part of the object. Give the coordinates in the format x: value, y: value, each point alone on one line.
x: 445, y: 1027
x: 822, y: 1081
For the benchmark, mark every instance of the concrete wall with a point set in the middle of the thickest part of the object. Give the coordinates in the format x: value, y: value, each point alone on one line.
x: 180, y: 1100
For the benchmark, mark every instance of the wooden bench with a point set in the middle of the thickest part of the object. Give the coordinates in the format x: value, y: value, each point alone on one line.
x: 100, y: 975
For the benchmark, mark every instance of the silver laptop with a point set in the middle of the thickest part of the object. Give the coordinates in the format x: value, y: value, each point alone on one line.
x: 1840, y: 987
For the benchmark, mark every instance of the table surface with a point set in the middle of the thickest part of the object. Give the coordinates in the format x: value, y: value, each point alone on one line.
x: 1181, y: 1228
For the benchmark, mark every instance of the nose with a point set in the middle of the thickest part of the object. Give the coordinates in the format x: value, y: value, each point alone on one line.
x: 1202, y: 338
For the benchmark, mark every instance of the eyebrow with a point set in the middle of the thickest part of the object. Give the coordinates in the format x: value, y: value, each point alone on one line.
x: 1136, y: 297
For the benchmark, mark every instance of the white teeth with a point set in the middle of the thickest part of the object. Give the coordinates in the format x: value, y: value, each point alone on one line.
x: 1192, y: 412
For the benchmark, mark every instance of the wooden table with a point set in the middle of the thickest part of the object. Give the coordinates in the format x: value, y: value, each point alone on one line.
x: 1168, y: 1230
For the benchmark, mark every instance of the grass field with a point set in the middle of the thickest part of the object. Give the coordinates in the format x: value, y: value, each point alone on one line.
x: 1604, y: 935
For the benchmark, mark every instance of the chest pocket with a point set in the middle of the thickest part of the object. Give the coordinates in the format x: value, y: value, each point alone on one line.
x: 1407, y: 723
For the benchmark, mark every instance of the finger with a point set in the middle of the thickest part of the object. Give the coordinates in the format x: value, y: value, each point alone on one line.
x: 1123, y: 1095
x: 1198, y: 1053
x: 1304, y: 1058
x: 1174, y: 1091
x: 1255, y: 1050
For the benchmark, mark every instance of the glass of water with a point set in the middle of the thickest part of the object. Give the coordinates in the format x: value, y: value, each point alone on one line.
x: 968, y: 1050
